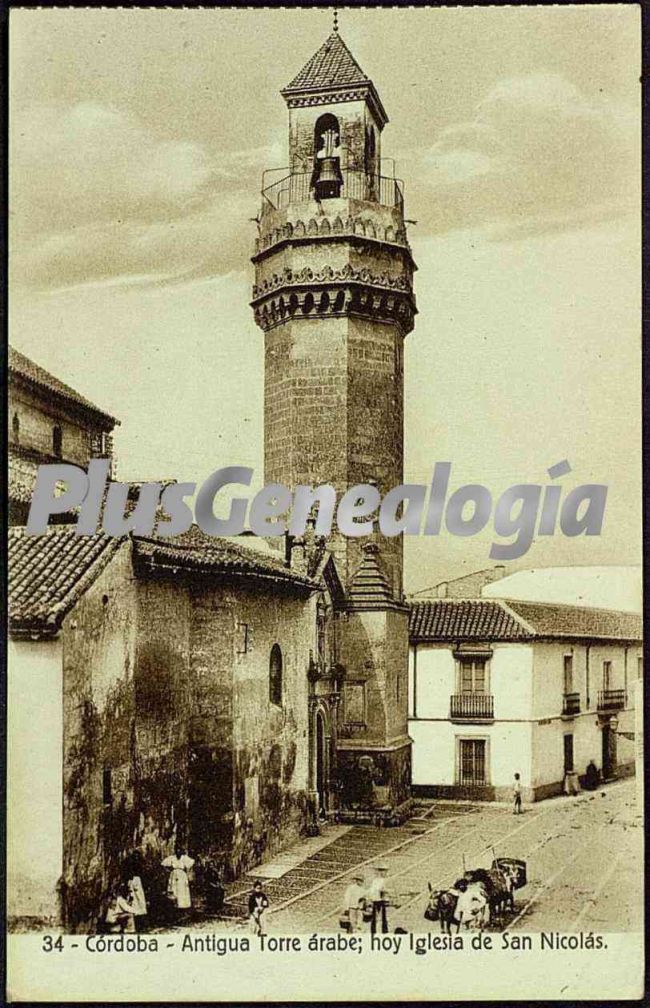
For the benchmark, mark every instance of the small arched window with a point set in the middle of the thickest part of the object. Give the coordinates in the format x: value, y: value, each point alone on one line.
x: 15, y: 427
x: 57, y: 441
x: 275, y: 676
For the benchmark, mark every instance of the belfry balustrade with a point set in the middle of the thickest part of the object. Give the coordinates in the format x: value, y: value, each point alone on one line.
x: 359, y: 185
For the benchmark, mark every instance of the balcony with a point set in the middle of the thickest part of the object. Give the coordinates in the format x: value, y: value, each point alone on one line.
x: 298, y: 188
x: 611, y: 700
x: 570, y: 704
x: 471, y: 707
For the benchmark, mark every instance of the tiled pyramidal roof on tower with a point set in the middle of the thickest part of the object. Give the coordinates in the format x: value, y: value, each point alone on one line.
x: 332, y: 64
x: 369, y: 588
x: 332, y: 74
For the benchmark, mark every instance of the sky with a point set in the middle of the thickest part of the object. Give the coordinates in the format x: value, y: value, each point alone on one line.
x: 138, y: 139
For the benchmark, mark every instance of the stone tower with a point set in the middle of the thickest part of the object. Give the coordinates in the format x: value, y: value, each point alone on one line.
x: 333, y: 294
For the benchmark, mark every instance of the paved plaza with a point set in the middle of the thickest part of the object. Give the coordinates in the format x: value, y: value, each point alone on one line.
x: 583, y: 854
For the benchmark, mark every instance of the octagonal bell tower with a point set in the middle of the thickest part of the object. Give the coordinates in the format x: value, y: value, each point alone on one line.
x: 333, y: 294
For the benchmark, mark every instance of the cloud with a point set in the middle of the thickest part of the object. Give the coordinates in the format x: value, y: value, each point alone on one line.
x: 537, y: 155
x: 97, y: 196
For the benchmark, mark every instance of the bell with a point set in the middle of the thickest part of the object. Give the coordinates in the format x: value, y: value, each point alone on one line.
x: 329, y: 181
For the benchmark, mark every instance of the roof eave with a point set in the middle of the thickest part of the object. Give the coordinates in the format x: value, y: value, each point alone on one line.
x: 89, y: 409
x: 325, y: 90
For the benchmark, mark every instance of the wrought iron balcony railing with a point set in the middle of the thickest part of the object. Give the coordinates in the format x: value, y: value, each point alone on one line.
x: 611, y: 699
x: 298, y: 188
x: 571, y: 704
x: 471, y: 707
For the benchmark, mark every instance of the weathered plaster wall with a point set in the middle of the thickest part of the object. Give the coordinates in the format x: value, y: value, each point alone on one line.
x: 374, y: 650
x: 98, y: 709
x: 270, y: 742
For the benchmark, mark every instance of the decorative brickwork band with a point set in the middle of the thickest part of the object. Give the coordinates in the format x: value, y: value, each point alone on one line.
x: 382, y: 298
x: 324, y: 228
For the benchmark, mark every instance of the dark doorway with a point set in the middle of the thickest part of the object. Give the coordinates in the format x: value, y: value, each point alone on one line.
x: 609, y: 751
x: 321, y: 763
x: 568, y: 753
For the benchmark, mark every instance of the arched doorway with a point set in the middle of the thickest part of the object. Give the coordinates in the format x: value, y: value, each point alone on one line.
x: 321, y: 762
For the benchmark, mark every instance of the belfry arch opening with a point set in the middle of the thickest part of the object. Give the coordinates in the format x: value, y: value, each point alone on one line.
x: 327, y: 179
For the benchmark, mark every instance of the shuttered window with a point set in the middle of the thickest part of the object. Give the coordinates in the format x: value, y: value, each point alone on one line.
x: 472, y: 675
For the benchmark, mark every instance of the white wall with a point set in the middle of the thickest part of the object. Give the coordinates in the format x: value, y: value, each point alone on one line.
x: 432, y: 676
x: 434, y: 751
x: 35, y: 778
x: 432, y: 681
x: 527, y: 683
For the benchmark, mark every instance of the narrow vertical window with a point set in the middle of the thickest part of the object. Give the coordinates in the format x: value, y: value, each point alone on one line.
x: 607, y: 676
x: 107, y: 786
x: 15, y: 428
x: 568, y: 673
x: 275, y: 676
x: 57, y: 441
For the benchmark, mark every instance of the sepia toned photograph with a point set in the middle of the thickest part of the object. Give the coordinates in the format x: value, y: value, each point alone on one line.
x: 325, y: 637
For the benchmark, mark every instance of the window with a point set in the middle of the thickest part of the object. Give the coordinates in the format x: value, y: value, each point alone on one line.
x: 568, y: 753
x: 472, y: 675
x: 107, y: 786
x: 471, y: 761
x: 275, y: 676
x: 57, y: 441
x: 243, y: 638
x: 15, y: 427
x: 568, y: 673
x: 607, y: 675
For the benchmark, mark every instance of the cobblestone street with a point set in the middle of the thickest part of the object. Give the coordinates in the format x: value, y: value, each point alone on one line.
x: 583, y: 856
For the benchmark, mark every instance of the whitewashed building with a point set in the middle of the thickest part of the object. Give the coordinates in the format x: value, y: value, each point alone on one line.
x: 498, y: 687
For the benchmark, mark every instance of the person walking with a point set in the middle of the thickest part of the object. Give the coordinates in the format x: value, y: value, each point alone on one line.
x: 257, y: 905
x: 516, y: 794
x: 378, y: 895
x: 354, y: 902
x: 178, y: 885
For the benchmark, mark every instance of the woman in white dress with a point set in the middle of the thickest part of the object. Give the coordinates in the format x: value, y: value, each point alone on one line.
x: 178, y: 886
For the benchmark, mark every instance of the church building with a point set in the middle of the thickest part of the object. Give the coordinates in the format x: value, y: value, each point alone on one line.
x: 225, y: 694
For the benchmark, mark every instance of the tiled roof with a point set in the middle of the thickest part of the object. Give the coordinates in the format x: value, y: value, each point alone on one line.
x: 34, y: 373
x: 369, y: 588
x: 48, y: 573
x: 497, y: 620
x: 333, y: 64
x: 557, y: 620
x: 464, y: 619
x: 196, y: 551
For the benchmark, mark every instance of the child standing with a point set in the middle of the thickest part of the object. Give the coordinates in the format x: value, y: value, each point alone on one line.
x: 257, y: 904
x: 516, y: 794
